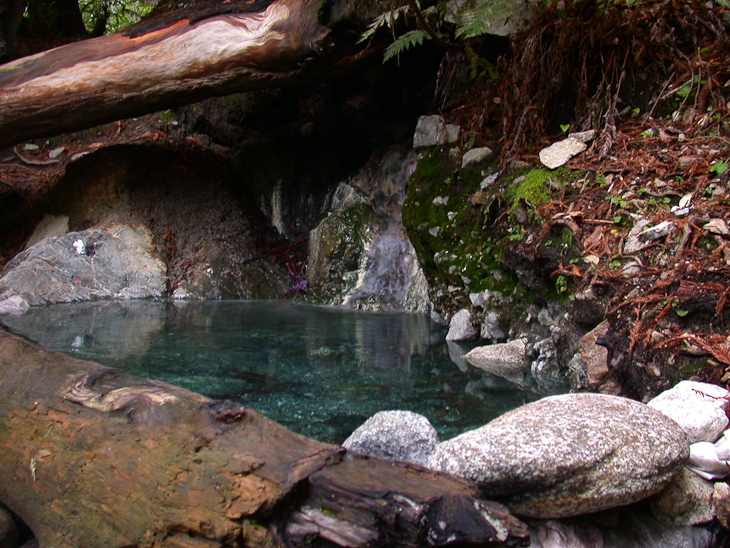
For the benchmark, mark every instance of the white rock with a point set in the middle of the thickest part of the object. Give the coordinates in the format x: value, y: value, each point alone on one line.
x: 584, y: 136
x: 432, y: 130
x: 558, y: 153
x: 452, y: 133
x: 477, y: 299
x: 568, y: 455
x: 476, y: 156
x: 641, y: 237
x: 717, y: 226
x: 704, y: 461
x: 112, y: 261
x: 488, y: 180
x: 395, y: 435
x: 699, y: 408
x: 79, y: 246
x: 722, y: 446
x: 56, y: 152
x: 491, y: 328
x: 14, y: 305
x: 461, y: 328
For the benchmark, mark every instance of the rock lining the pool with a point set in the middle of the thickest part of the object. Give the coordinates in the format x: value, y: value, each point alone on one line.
x: 575, y: 454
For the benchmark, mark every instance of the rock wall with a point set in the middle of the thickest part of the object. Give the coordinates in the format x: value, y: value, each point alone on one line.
x: 209, y: 243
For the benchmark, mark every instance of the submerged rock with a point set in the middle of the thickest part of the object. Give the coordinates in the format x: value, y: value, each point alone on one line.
x: 506, y: 360
x: 114, y: 261
x: 395, y: 435
x: 568, y: 455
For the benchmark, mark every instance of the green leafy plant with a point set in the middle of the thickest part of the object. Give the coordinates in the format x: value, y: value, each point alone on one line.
x: 517, y: 234
x: 561, y: 283
x: 718, y: 168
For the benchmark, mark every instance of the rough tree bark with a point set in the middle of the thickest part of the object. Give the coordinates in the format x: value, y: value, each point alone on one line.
x: 177, y: 58
x: 93, y: 457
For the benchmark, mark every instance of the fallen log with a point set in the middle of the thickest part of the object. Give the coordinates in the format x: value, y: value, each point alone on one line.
x: 94, y: 457
x: 206, y: 50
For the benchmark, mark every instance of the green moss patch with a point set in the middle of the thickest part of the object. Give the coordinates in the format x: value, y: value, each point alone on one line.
x: 536, y: 187
x: 447, y: 228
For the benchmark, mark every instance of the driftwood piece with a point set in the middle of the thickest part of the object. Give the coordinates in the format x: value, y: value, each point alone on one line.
x: 202, y: 51
x: 94, y: 457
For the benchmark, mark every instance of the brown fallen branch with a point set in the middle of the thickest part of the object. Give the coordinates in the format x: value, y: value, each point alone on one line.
x: 94, y: 457
x: 211, y: 49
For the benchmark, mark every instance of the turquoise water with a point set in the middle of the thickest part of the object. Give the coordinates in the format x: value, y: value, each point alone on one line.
x: 321, y: 371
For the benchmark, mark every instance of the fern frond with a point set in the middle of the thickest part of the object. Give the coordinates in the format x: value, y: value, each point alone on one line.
x: 475, y: 21
x: 387, y: 19
x: 403, y: 42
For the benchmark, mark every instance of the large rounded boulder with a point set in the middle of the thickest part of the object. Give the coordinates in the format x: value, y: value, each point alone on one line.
x: 568, y: 455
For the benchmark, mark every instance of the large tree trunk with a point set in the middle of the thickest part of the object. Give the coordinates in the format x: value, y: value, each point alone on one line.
x: 178, y: 58
x: 93, y: 457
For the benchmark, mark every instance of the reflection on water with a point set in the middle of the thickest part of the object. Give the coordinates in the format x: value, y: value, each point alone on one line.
x: 321, y: 371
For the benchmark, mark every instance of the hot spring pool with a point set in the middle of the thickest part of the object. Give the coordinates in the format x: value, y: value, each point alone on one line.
x: 320, y: 371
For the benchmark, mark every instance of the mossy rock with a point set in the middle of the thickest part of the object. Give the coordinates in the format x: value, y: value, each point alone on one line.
x: 461, y: 232
x: 336, y: 250
x: 448, y: 230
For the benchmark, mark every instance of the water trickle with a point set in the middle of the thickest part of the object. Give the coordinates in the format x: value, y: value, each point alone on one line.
x: 389, y: 270
x: 360, y: 255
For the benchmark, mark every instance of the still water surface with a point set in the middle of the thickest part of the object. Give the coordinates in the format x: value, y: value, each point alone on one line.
x: 321, y: 371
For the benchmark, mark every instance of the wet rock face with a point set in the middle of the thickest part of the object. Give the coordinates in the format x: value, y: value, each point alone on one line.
x: 568, y: 455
